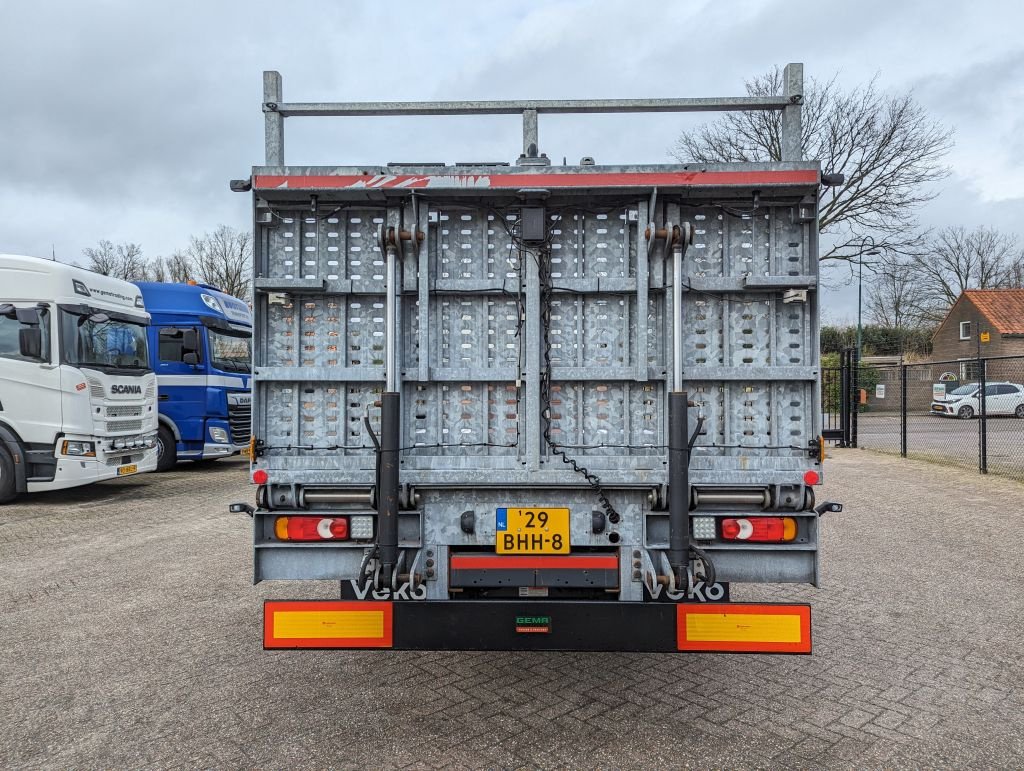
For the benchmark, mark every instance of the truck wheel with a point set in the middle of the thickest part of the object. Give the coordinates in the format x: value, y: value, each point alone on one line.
x: 166, y: 450
x: 966, y: 412
x: 8, y: 484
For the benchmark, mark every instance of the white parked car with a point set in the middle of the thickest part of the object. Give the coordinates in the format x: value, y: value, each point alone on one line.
x: 1000, y: 399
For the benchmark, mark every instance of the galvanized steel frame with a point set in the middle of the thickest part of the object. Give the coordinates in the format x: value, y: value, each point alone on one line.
x: 276, y: 110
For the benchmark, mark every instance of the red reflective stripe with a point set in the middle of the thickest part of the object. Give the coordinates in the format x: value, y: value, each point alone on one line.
x: 506, y: 180
x: 525, y: 562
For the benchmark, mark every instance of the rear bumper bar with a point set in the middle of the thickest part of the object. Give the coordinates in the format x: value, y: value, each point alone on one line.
x: 538, y: 626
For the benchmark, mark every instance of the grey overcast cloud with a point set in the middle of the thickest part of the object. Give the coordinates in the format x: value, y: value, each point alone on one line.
x: 125, y: 120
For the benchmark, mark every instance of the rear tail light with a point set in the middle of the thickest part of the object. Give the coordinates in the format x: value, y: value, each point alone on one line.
x: 260, y: 477
x: 311, y: 528
x: 763, y: 529
x: 812, y: 477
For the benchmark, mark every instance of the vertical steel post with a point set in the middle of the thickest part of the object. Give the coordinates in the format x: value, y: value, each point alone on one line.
x: 844, y: 397
x: 678, y: 483
x: 531, y: 141
x: 903, y: 410
x: 983, y: 417
x: 855, y: 396
x: 273, y: 120
x: 793, y: 90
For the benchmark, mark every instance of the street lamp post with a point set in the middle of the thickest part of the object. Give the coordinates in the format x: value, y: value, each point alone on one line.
x: 860, y: 286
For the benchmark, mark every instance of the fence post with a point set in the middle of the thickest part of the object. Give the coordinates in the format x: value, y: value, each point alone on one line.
x: 854, y: 396
x: 844, y: 397
x: 903, y: 410
x: 983, y: 419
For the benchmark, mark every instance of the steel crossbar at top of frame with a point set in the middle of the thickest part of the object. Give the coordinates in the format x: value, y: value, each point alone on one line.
x: 276, y: 110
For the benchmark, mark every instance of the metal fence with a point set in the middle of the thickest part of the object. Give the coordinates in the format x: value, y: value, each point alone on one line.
x: 934, y: 411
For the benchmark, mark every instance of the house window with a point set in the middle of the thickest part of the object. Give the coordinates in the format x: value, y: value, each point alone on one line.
x: 965, y: 330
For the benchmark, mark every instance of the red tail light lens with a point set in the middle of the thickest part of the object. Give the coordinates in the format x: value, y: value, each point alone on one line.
x: 260, y: 477
x: 812, y: 477
x: 311, y: 528
x: 759, y: 529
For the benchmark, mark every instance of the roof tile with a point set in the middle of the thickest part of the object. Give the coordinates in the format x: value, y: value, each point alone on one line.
x: 1003, y: 307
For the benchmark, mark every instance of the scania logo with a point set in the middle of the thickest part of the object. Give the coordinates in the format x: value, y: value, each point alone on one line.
x: 125, y: 389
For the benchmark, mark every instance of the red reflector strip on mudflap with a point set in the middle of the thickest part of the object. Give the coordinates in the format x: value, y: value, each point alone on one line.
x: 306, y: 624
x: 739, y: 628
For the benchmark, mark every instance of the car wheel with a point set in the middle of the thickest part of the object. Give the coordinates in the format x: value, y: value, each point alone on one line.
x: 166, y: 450
x: 965, y: 413
x: 8, y: 483
x: 1019, y: 412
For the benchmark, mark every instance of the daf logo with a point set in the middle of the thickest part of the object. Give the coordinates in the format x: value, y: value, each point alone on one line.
x: 125, y: 389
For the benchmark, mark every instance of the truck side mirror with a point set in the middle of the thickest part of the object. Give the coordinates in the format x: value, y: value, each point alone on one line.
x: 30, y: 342
x: 190, y: 357
x: 29, y: 316
x: 189, y: 342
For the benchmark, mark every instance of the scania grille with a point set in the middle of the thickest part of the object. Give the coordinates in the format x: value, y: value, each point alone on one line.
x: 124, y: 425
x: 240, y: 420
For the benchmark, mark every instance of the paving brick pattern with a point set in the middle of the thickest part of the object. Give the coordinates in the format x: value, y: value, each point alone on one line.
x: 130, y: 637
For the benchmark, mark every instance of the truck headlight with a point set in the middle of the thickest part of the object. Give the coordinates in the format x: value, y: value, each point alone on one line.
x: 218, y: 434
x: 79, y: 449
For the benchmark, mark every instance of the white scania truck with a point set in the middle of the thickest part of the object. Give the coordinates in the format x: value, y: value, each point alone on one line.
x: 77, y: 394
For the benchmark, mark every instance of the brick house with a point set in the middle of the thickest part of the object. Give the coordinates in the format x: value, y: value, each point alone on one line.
x: 1000, y: 312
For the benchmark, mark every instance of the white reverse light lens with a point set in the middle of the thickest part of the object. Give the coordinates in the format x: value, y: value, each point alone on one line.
x: 703, y: 528
x: 360, y: 528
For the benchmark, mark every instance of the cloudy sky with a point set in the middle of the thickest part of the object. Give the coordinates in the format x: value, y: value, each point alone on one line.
x: 125, y: 120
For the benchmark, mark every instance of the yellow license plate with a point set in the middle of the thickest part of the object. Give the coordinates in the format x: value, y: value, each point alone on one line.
x: 538, y: 530
x: 129, y: 469
x: 245, y: 453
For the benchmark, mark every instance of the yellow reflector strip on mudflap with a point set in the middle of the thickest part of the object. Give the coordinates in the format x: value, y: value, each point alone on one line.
x: 744, y: 628
x: 327, y: 624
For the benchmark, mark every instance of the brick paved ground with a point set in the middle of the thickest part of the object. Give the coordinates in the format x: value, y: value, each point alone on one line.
x: 129, y: 637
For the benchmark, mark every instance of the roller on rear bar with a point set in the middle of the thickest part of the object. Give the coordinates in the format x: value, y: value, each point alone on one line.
x: 517, y: 406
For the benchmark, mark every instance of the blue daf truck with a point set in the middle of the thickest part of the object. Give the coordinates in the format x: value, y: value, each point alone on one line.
x: 200, y: 342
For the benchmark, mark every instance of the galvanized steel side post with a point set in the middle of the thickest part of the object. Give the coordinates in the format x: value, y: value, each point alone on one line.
x: 273, y: 120
x: 678, y: 483
x: 903, y: 410
x: 531, y: 142
x: 793, y: 91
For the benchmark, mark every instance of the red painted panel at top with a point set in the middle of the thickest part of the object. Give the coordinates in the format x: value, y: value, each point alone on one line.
x: 490, y: 181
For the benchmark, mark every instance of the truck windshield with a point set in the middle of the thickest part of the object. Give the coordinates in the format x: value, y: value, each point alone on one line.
x: 96, y: 340
x: 231, y: 351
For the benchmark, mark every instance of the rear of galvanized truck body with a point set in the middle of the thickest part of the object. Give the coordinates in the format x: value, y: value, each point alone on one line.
x: 538, y: 320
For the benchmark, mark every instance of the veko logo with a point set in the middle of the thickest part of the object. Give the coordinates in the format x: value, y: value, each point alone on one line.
x: 126, y: 389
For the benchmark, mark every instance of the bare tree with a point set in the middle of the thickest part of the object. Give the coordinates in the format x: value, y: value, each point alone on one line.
x: 959, y: 259
x: 895, y: 297
x: 177, y: 268
x: 221, y: 258
x: 886, y: 146
x: 124, y: 260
